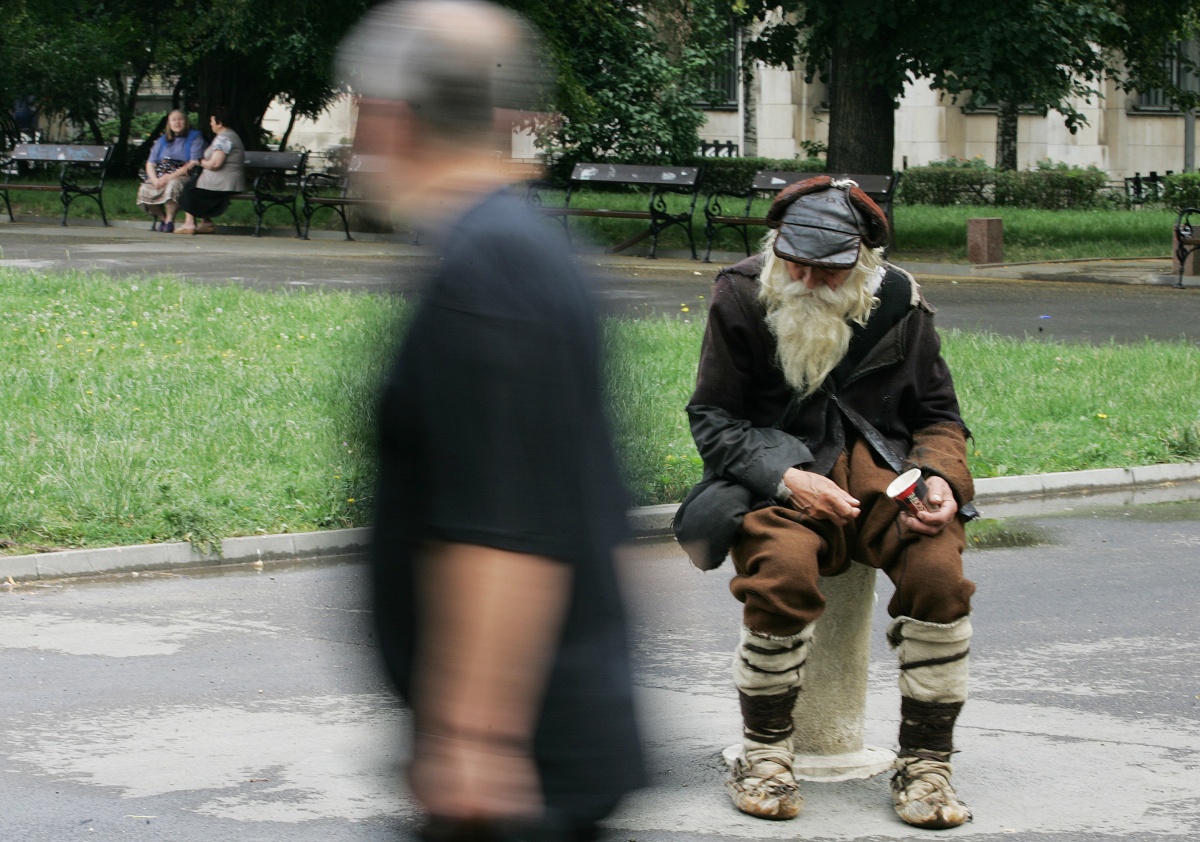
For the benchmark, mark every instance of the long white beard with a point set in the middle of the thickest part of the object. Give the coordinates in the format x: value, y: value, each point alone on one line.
x: 812, y: 328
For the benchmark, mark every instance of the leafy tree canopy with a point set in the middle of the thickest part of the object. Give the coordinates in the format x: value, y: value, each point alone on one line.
x: 630, y: 75
x: 1039, y: 52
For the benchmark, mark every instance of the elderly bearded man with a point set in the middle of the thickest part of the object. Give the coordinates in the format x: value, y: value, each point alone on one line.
x: 820, y: 379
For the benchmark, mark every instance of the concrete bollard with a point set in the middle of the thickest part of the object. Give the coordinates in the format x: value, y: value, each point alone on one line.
x: 830, y: 713
x: 985, y: 240
x: 831, y: 710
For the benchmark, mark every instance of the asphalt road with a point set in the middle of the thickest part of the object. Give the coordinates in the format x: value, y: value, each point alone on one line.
x: 1126, y: 308
x: 243, y: 706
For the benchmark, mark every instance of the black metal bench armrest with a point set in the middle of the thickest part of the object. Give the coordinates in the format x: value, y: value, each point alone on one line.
x: 534, y: 188
x: 715, y: 202
x: 315, y: 184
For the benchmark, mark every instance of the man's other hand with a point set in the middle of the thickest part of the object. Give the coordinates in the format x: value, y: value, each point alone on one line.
x: 820, y: 497
x: 942, y: 506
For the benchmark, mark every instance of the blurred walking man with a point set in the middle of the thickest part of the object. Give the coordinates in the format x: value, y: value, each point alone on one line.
x: 499, y: 503
x: 821, y: 378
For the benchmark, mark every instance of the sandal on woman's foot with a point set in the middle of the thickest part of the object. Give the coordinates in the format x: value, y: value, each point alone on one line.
x: 185, y: 229
x: 205, y: 228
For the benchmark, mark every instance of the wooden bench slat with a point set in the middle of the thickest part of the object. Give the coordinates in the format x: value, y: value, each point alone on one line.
x: 636, y: 174
x: 601, y: 212
x: 65, y: 153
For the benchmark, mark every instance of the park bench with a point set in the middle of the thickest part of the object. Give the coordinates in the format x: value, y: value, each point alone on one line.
x: 81, y: 173
x: 719, y: 215
x: 1187, y: 239
x: 277, y: 181
x: 341, y: 191
x: 662, y: 181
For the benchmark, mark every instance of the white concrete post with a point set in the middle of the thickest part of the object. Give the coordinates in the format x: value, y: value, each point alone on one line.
x: 831, y: 710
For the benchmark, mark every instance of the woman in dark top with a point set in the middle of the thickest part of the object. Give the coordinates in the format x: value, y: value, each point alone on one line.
x: 223, y: 175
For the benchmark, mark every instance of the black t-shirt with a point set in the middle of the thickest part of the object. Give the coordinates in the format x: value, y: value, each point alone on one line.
x: 493, y: 431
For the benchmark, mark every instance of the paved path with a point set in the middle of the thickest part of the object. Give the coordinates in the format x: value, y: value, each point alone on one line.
x: 1051, y: 301
x: 243, y: 706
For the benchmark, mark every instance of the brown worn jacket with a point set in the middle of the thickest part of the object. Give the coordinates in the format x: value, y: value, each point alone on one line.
x: 894, y: 389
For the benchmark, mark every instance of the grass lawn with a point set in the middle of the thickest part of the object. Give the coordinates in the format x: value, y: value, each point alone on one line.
x: 940, y: 234
x: 151, y: 410
x: 923, y: 232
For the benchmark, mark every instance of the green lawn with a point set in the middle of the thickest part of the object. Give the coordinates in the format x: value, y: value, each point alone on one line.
x: 940, y: 234
x: 923, y: 232
x: 151, y: 410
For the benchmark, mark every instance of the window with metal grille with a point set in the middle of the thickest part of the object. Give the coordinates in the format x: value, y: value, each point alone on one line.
x: 722, y: 87
x: 1157, y: 99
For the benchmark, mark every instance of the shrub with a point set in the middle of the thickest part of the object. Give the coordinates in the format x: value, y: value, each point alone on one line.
x: 1050, y: 186
x: 955, y: 181
x: 1182, y: 190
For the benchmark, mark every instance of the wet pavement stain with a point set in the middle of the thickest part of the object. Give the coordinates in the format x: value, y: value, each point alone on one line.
x: 988, y: 534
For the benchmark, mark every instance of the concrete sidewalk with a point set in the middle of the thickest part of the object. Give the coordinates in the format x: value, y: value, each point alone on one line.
x: 42, y: 243
x: 997, y: 497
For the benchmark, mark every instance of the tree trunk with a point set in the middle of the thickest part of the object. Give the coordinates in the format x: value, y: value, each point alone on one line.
x: 126, y: 95
x: 1006, y: 136
x: 177, y: 103
x: 234, y: 81
x: 93, y: 124
x: 862, y: 114
x: 283, y: 142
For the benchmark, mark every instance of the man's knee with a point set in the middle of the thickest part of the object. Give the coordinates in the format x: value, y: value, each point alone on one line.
x: 929, y: 579
x: 776, y: 560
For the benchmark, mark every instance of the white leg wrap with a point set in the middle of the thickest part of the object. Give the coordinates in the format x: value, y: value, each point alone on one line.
x: 765, y: 665
x: 933, y: 658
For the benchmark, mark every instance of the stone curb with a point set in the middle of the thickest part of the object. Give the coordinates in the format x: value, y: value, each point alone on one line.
x: 998, y: 496
x: 68, y: 563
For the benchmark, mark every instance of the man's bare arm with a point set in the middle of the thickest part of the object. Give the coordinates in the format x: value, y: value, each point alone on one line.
x: 490, y: 626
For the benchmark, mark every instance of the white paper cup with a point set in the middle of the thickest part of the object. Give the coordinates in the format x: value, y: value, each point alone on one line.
x: 907, y: 489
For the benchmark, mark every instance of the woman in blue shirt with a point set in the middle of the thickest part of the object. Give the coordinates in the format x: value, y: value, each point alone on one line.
x: 176, y: 152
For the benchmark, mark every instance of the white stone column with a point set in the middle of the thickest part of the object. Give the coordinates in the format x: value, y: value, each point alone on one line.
x: 831, y: 710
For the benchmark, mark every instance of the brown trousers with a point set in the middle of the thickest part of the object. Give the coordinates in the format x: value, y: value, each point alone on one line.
x: 782, y: 554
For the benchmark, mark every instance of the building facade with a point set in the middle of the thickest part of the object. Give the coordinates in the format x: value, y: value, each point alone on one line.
x: 776, y: 111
